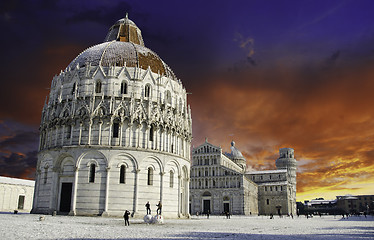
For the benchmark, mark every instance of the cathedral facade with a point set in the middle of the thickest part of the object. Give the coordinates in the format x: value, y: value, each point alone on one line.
x: 221, y: 183
x: 115, y: 133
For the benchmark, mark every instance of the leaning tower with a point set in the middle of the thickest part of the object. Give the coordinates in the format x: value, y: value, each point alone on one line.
x: 287, y: 161
x: 115, y: 132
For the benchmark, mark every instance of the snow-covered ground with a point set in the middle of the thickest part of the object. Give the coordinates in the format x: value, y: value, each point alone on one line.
x: 28, y: 226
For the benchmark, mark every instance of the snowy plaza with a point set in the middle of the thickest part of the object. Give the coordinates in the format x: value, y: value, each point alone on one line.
x: 28, y: 226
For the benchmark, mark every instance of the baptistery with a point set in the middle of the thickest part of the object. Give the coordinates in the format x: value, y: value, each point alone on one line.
x: 115, y: 133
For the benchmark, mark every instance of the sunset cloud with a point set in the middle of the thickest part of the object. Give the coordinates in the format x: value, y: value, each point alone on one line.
x: 327, y: 120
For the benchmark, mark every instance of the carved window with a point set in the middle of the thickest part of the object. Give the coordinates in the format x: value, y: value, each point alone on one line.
x: 68, y: 132
x: 147, y: 91
x: 73, y: 88
x: 151, y: 130
x: 123, y: 88
x: 171, y: 179
x: 92, y: 172
x: 168, y: 97
x: 122, y: 174
x: 115, y: 129
x: 150, y: 176
x: 45, y: 175
x: 98, y: 87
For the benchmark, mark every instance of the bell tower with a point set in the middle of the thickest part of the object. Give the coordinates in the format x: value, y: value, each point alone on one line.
x: 287, y: 161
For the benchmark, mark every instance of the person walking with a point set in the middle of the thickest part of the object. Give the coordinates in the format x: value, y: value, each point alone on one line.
x: 148, y: 207
x: 159, y: 207
x: 126, y: 217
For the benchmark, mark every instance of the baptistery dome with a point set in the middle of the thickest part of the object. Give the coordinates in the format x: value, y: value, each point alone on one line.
x: 115, y: 132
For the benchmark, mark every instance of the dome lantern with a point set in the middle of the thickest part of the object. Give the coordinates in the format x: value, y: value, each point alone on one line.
x: 125, y: 30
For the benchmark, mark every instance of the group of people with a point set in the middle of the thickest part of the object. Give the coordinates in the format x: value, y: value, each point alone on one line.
x: 126, y: 214
x: 148, y: 208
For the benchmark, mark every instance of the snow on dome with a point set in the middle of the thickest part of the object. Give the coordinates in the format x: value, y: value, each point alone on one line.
x: 123, y: 46
x: 116, y: 53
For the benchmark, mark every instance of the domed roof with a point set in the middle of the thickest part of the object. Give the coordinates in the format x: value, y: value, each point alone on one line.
x: 235, y: 153
x: 123, y: 46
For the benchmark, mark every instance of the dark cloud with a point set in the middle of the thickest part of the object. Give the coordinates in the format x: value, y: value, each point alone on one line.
x: 18, y: 165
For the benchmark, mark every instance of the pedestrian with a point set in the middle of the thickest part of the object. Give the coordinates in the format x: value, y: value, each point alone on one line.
x: 148, y: 208
x: 159, y: 207
x: 207, y: 214
x: 271, y: 216
x: 126, y: 217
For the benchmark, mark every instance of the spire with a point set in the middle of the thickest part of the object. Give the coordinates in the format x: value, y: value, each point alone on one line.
x: 127, y: 15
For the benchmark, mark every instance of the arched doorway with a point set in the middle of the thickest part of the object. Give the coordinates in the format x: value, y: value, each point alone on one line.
x: 226, y: 204
x: 207, y: 201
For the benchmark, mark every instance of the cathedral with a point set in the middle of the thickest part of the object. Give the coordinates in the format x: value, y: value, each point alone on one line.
x: 220, y: 183
x: 115, y: 133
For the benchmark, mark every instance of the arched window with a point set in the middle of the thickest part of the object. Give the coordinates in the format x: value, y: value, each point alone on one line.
x: 150, y: 176
x: 168, y: 97
x: 122, y: 174
x: 68, y: 132
x: 115, y: 129
x: 123, y: 87
x: 267, y: 201
x: 147, y: 91
x: 98, y: 87
x: 73, y: 89
x: 171, y: 178
x: 151, y: 130
x: 92, y: 172
x: 45, y: 175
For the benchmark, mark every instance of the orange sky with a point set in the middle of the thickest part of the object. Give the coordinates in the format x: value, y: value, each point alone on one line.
x: 298, y: 74
x: 326, y: 118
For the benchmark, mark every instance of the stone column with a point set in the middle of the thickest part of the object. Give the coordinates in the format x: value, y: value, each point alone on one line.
x: 147, y: 134
x: 89, y: 132
x: 161, y: 185
x: 130, y: 130
x: 105, y: 213
x: 186, y: 196
x: 99, y: 139
x: 138, y: 131
x: 110, y: 132
x: 36, y: 192
x: 74, y: 193
x: 56, y: 135
x: 120, y: 133
x: 179, y: 195
x: 63, y: 135
x: 156, y: 147
x: 54, y: 189
x: 80, y: 134
x: 136, y: 191
x: 71, y: 133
